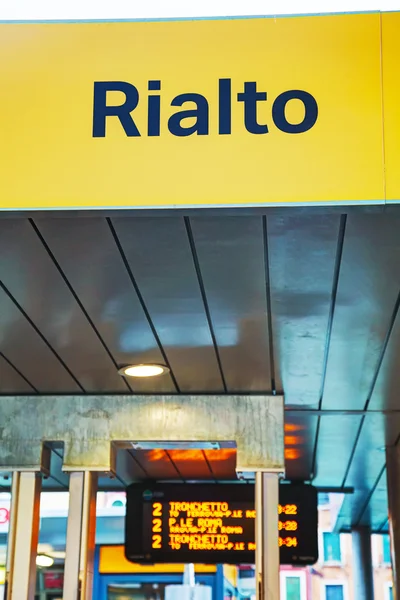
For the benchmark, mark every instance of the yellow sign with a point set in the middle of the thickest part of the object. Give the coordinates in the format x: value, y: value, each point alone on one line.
x: 196, y: 113
x: 391, y: 94
x: 112, y: 560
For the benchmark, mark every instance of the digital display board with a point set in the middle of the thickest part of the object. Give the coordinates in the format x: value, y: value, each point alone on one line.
x: 215, y: 523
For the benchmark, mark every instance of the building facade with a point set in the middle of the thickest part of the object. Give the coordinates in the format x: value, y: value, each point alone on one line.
x: 332, y: 578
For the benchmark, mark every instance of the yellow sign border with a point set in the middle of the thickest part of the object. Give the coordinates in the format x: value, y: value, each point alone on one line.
x: 112, y: 561
x: 348, y: 62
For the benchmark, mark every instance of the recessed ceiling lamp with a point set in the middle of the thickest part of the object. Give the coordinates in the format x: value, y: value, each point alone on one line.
x: 42, y: 560
x: 143, y: 370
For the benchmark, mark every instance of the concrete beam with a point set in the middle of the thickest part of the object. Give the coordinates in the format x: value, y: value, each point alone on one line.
x: 92, y: 428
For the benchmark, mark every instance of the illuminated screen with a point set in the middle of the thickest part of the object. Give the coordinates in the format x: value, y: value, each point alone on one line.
x: 215, y: 523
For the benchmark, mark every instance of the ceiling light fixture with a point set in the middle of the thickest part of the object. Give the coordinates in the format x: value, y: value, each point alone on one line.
x: 151, y: 370
x: 42, y: 560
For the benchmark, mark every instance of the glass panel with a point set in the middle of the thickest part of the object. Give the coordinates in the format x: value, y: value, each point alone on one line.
x: 156, y: 591
x: 334, y: 592
x: 136, y: 591
x: 293, y: 588
x: 386, y: 549
x: 331, y: 547
x: 51, y: 547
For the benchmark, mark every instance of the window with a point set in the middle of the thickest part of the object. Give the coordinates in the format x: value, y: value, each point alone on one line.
x: 386, y: 549
x: 331, y: 547
x: 334, y: 592
x: 323, y: 499
x: 293, y: 585
x: 334, y: 589
x: 293, y: 591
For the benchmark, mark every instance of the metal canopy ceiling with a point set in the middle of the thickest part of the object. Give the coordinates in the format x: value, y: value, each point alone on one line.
x: 301, y: 302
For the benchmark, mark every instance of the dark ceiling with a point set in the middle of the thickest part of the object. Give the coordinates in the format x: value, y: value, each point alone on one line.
x: 301, y: 303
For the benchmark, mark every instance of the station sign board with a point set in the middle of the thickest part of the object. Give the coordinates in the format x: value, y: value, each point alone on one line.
x: 200, y: 113
x: 215, y: 523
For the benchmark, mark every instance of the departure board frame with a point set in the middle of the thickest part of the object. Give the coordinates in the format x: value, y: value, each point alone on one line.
x: 215, y: 523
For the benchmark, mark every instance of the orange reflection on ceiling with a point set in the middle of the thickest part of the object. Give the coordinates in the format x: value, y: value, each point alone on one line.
x: 293, y: 427
x: 292, y: 453
x: 220, y: 455
x: 293, y: 440
x: 158, y: 454
x: 186, y: 455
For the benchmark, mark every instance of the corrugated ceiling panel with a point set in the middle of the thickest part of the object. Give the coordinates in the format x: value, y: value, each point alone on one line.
x: 31, y: 276
x: 191, y: 464
x: 386, y: 390
x: 11, y: 382
x: 368, y: 287
x: 367, y: 463
x: 337, y: 435
x: 156, y: 464
x: 222, y: 463
x: 24, y: 347
x: 377, y: 508
x: 94, y: 267
x: 300, y: 433
x: 231, y: 256
x: 159, y: 255
x: 302, y: 252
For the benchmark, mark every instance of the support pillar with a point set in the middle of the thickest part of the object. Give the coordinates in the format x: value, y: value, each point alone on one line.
x: 81, y: 533
x: 363, y: 576
x: 23, y: 536
x: 393, y: 488
x: 267, y: 534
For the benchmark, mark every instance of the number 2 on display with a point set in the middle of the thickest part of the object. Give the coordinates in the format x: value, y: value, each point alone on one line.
x: 157, y: 523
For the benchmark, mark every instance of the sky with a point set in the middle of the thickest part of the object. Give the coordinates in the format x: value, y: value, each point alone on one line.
x: 153, y: 9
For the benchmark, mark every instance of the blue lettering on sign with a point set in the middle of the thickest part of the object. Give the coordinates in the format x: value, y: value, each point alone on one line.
x: 196, y: 108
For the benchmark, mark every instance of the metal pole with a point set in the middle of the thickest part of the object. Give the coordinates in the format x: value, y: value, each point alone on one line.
x: 393, y: 488
x: 24, y: 536
x: 189, y: 577
x: 362, y: 563
x: 267, y: 534
x: 81, y: 533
